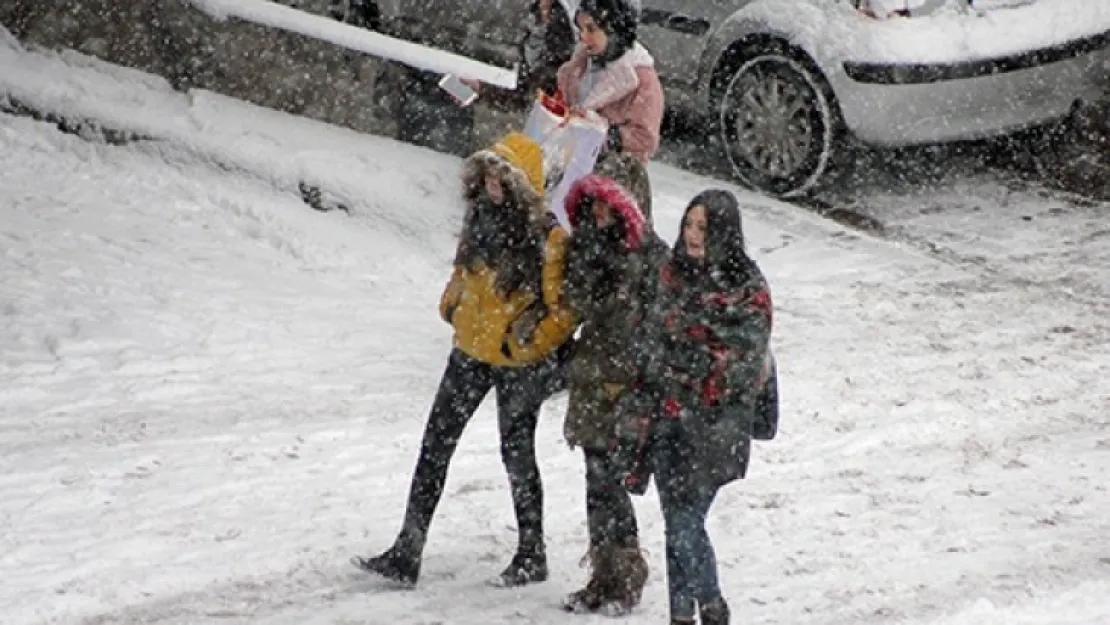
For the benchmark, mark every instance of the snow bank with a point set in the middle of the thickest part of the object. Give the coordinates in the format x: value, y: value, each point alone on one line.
x: 8, y: 40
x: 376, y: 44
x: 208, y: 127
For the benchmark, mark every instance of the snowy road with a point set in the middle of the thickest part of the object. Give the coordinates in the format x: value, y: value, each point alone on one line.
x: 211, y: 396
x: 965, y: 203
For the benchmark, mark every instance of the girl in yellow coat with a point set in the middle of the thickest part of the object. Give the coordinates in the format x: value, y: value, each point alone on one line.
x: 512, y: 330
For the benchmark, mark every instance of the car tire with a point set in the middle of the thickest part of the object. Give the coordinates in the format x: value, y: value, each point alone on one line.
x: 779, y: 123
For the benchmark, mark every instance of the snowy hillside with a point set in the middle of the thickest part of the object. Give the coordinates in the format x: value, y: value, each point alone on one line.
x: 211, y: 396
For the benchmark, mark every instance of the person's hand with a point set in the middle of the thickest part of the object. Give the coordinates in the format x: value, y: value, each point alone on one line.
x: 578, y: 111
x: 524, y: 327
x: 473, y: 83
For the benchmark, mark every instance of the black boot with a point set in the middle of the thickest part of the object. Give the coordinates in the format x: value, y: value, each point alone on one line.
x: 395, y: 565
x: 715, y: 612
x: 525, y: 568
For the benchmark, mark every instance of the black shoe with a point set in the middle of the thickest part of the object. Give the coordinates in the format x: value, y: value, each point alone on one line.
x: 526, y: 568
x: 394, y: 565
x: 715, y: 612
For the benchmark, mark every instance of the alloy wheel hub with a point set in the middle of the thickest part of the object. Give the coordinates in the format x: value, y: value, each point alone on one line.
x: 773, y: 128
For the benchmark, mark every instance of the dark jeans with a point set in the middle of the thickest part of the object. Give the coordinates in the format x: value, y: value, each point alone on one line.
x: 465, y: 383
x: 610, y: 517
x: 691, y: 562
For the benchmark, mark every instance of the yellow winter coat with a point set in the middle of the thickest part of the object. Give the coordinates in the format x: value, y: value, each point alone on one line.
x: 482, y: 318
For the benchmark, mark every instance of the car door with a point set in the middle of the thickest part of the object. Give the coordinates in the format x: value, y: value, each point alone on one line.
x: 677, y: 33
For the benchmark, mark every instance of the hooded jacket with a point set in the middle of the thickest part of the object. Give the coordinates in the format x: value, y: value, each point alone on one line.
x: 611, y: 296
x: 527, y: 323
x: 703, y: 375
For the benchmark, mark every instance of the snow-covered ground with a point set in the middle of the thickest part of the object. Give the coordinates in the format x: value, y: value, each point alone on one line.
x: 211, y: 396
x: 1019, y: 233
x: 956, y: 202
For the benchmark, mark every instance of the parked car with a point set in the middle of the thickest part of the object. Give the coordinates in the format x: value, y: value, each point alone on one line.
x: 790, y: 84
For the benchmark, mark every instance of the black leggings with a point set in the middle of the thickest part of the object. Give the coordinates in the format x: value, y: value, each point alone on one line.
x: 520, y: 393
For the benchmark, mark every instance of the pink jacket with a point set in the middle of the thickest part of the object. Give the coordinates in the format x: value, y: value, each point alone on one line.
x: 626, y: 93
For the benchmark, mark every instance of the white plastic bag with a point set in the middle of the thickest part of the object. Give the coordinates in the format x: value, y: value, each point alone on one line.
x: 571, y: 145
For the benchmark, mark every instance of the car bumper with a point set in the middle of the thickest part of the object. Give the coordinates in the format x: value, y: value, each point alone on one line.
x: 914, y: 104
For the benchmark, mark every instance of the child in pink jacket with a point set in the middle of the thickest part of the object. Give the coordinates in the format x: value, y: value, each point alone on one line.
x: 613, y: 75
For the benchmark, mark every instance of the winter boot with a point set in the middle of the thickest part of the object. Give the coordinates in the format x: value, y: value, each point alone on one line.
x: 715, y: 612
x: 628, y: 575
x: 592, y: 596
x: 396, y: 565
x: 525, y: 568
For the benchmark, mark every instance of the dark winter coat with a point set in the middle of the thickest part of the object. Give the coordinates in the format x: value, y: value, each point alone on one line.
x: 610, y: 274
x: 709, y: 362
x: 545, y: 49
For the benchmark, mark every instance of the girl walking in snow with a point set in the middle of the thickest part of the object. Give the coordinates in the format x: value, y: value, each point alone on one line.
x: 614, y: 76
x: 613, y: 259
x: 511, y: 329
x: 703, y: 375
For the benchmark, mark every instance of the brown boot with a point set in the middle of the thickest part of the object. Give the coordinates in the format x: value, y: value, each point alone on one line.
x: 629, y: 575
x: 590, y: 598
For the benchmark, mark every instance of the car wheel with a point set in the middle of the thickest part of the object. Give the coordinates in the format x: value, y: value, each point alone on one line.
x: 779, y: 124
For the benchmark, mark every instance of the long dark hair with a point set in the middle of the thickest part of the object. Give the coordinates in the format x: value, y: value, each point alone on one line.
x: 619, y: 20
x: 504, y: 236
x: 726, y: 257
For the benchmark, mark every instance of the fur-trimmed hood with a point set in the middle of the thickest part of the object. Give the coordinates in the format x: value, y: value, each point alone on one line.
x: 617, y: 197
x: 518, y: 161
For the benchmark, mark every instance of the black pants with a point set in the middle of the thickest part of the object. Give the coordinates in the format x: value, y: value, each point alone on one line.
x: 610, y: 516
x: 520, y: 393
